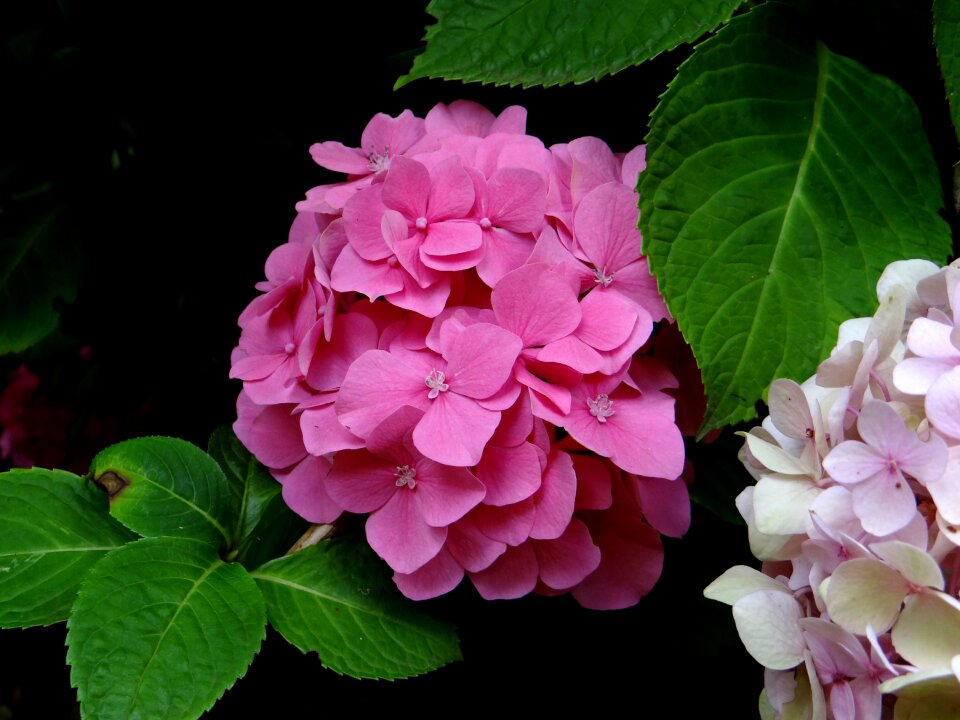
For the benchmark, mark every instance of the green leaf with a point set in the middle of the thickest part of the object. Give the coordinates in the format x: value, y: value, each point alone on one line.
x: 161, y: 628
x: 266, y: 527
x: 781, y: 179
x: 39, y: 270
x: 336, y: 598
x: 551, y: 42
x: 162, y: 486
x: 55, y: 527
x: 946, y: 33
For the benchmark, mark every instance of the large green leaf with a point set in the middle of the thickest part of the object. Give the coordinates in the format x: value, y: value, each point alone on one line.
x: 781, y: 178
x: 266, y: 527
x: 162, y: 486
x: 39, y: 270
x: 161, y: 628
x: 946, y: 33
x: 55, y: 527
x: 336, y: 598
x: 550, y: 42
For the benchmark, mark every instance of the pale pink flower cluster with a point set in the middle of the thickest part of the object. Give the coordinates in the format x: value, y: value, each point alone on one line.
x: 855, y: 514
x: 457, y: 340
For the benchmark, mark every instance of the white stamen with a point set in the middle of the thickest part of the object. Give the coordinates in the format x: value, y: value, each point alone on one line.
x: 435, y: 381
x: 421, y: 223
x: 601, y: 408
x: 379, y: 162
x: 600, y: 277
x: 485, y: 223
x: 289, y: 348
x: 406, y: 475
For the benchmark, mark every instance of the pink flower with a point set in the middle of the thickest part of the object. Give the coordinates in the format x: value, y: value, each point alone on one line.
x: 457, y: 392
x: 876, y: 467
x: 411, y: 499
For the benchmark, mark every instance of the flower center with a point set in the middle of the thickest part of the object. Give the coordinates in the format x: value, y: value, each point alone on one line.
x: 378, y: 162
x: 601, y: 408
x: 435, y: 381
x: 406, y: 475
x: 421, y: 223
x: 600, y: 277
x: 485, y: 223
x: 289, y: 348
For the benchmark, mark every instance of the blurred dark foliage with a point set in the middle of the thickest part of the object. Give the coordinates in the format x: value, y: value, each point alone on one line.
x: 175, y: 135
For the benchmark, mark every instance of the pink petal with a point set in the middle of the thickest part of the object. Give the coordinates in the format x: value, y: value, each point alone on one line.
x: 516, y: 423
x: 446, y: 493
x: 406, y: 188
x: 391, y: 439
x: 556, y: 314
x: 335, y: 156
x: 630, y: 563
x: 513, y: 575
x: 605, y: 226
x: 593, y: 483
x: 427, y: 301
x: 398, y: 533
x: 305, y: 491
x: 665, y: 503
x: 480, y: 360
x: 636, y: 437
x: 323, y: 433
x: 503, y: 252
x: 884, y: 505
x: 574, y: 353
x: 462, y: 117
x: 354, y: 334
x: 942, y: 403
x: 351, y: 273
x: 509, y: 524
x: 516, y: 200
x: 633, y: 164
x: 439, y: 576
x: 555, y: 499
x: 510, y: 474
x: 376, y: 384
x: 454, y: 430
x: 361, y: 222
x: 454, y: 238
x: 608, y: 321
x: 271, y: 433
x: 384, y: 133
x: 470, y: 547
x: 567, y: 560
x: 852, y: 462
x: 592, y: 164
x: 361, y: 482
x: 635, y: 283
x: 451, y: 192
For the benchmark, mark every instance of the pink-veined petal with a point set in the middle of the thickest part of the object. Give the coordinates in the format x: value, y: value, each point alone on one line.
x: 510, y: 474
x: 568, y: 559
x: 360, y: 481
x: 446, y: 493
x: 454, y: 430
x: 555, y: 499
x: 512, y: 575
x: 437, y: 577
x: 398, y: 533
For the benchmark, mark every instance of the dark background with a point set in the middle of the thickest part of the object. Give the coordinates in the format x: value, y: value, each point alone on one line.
x: 175, y: 137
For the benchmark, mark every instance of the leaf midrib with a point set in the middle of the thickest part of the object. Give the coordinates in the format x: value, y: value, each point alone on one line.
x: 793, y: 202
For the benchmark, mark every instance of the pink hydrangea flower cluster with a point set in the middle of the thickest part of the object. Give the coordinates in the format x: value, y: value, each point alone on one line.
x: 855, y: 515
x: 458, y: 341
